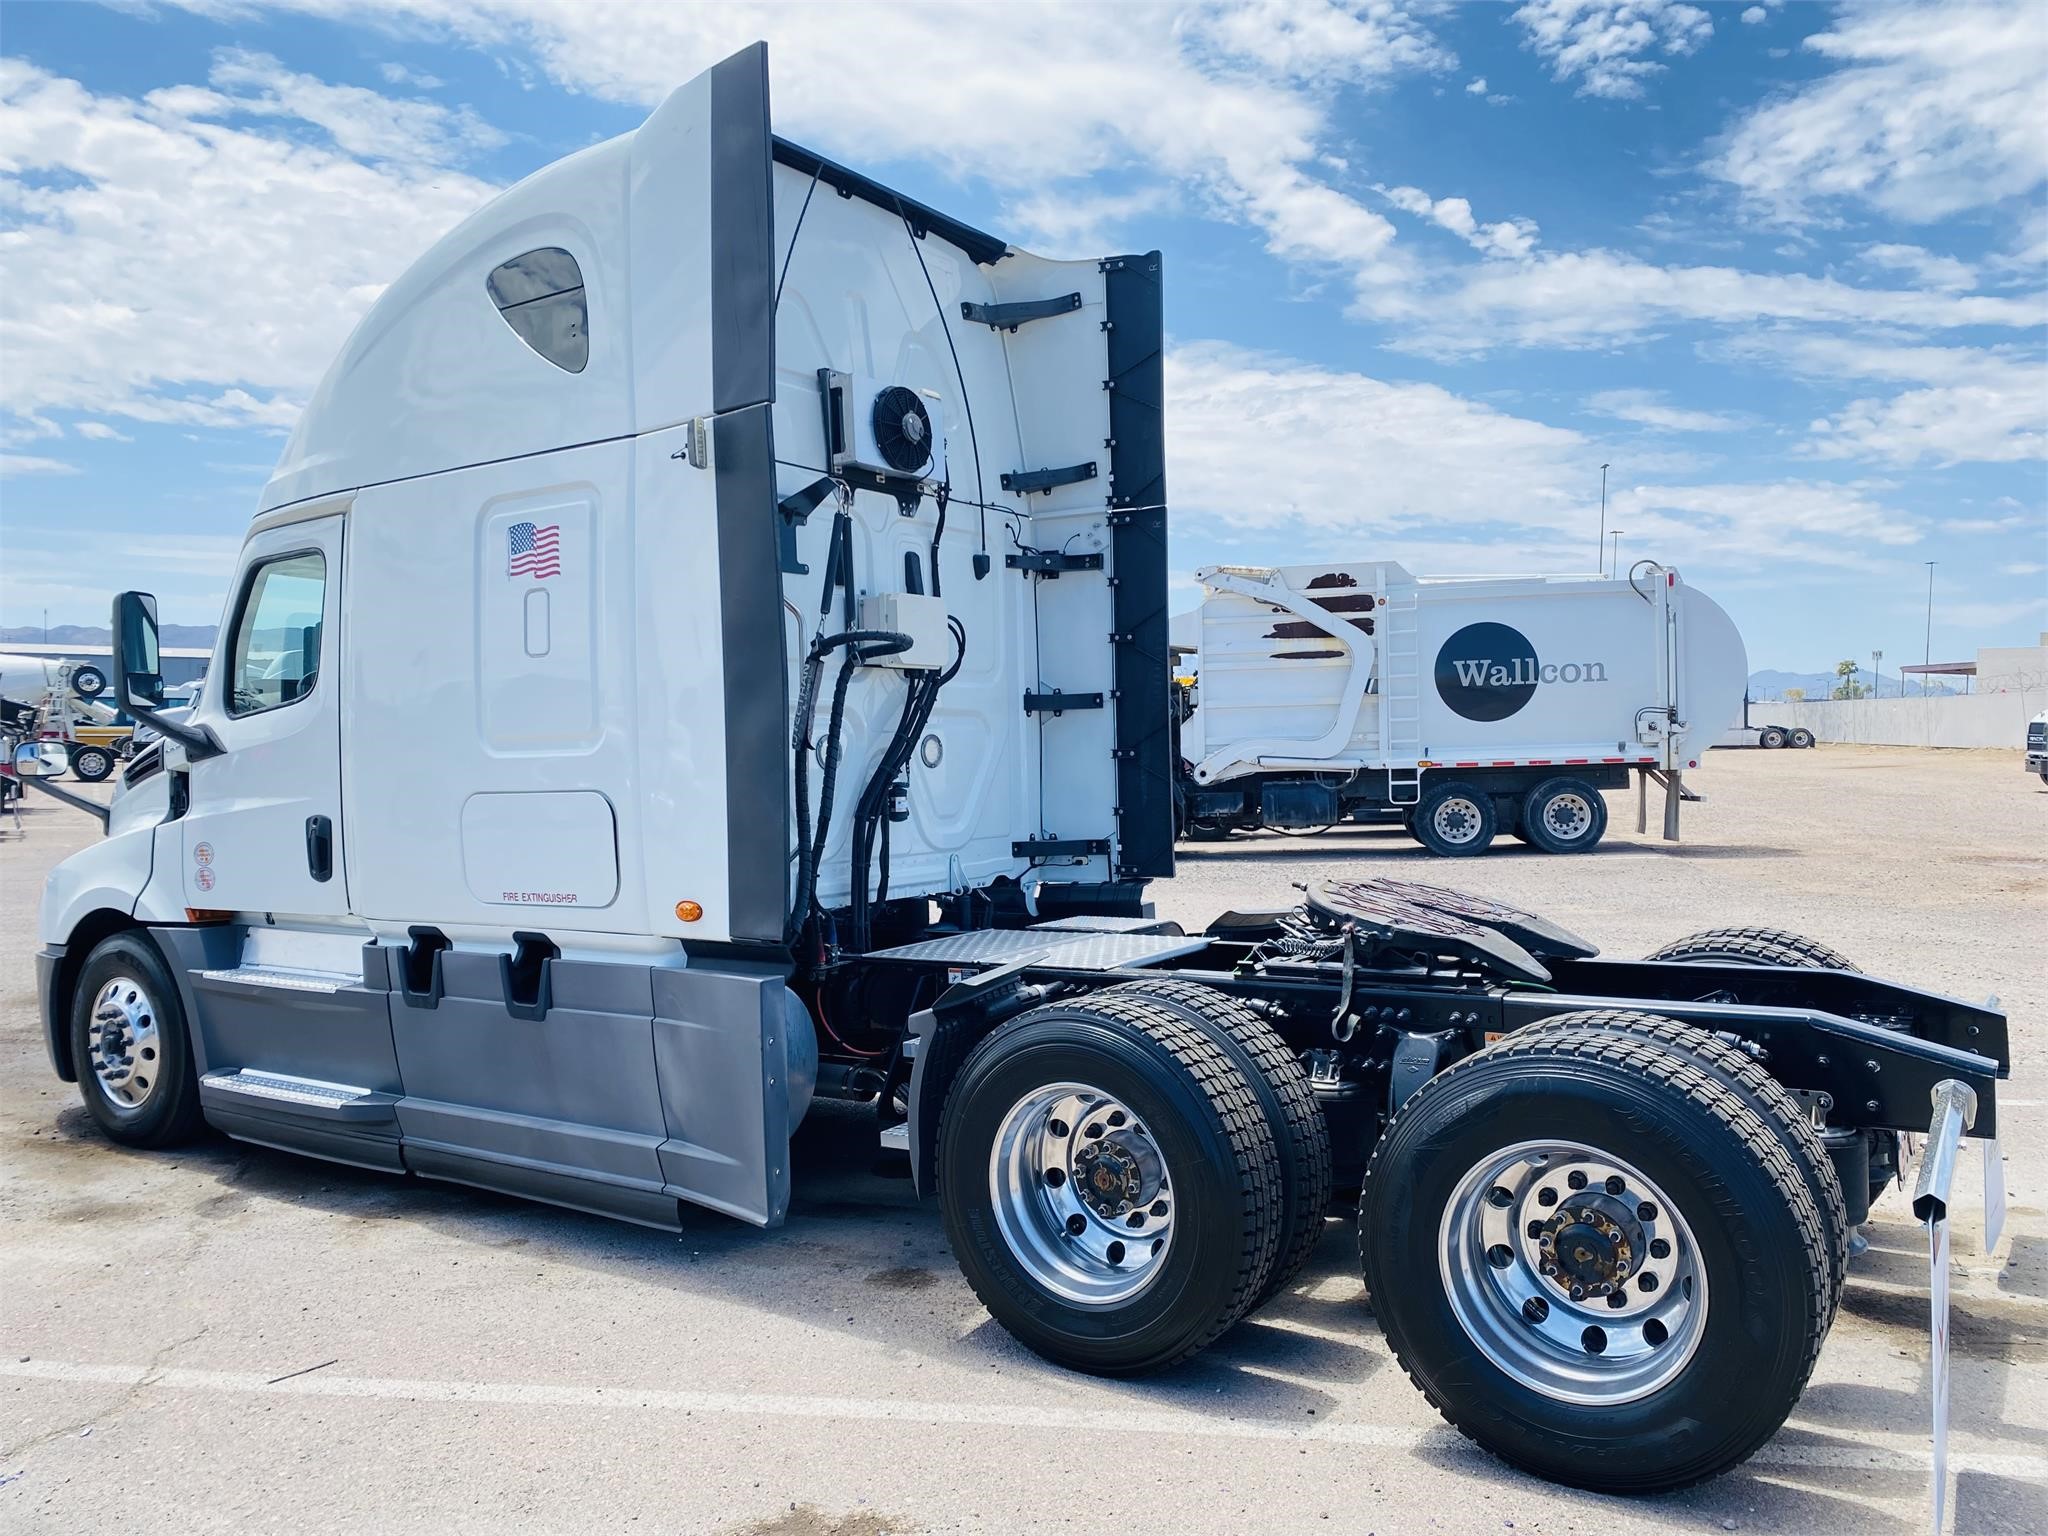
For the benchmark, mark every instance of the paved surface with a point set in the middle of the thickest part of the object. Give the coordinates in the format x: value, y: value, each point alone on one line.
x: 471, y: 1363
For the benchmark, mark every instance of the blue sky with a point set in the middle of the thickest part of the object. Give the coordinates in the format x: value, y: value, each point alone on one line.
x: 1783, y: 267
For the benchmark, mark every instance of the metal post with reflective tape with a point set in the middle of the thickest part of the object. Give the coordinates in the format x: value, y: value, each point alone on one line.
x: 1955, y: 1112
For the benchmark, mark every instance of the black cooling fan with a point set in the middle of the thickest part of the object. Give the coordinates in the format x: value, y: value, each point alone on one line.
x: 903, y: 429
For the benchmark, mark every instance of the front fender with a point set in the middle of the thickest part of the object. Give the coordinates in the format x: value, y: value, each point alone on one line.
x: 109, y: 875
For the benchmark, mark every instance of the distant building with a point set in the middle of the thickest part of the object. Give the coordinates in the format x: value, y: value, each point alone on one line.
x: 1997, y: 669
x: 181, y: 664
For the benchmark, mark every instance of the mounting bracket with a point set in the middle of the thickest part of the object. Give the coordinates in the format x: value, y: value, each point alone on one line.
x: 1027, y: 481
x: 1057, y: 703
x: 1007, y: 317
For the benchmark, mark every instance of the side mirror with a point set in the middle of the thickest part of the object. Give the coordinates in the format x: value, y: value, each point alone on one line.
x: 138, y: 670
x: 40, y: 759
x: 139, y: 677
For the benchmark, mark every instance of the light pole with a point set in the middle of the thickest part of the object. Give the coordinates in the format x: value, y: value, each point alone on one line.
x: 1600, y: 544
x: 1614, y: 568
x: 1876, y: 677
x: 1927, y: 654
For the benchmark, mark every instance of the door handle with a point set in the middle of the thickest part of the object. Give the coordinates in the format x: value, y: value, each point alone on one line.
x: 320, y: 847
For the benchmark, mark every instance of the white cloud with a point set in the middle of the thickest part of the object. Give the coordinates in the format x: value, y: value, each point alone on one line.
x: 1079, y: 226
x: 34, y: 464
x: 1338, y: 460
x: 398, y: 74
x: 1508, y: 238
x: 1755, y: 16
x: 1477, y: 87
x: 1936, y: 109
x: 1224, y: 103
x: 167, y: 264
x: 1924, y: 266
x: 1601, y: 298
x: 1971, y: 404
x: 1603, y: 43
x: 1646, y: 408
x: 73, y: 572
x: 100, y: 431
x: 361, y: 122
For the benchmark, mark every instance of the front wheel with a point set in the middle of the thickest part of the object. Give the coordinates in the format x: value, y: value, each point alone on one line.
x: 92, y: 764
x: 1109, y: 1184
x: 130, y: 1045
x: 1455, y: 821
x: 1595, y: 1260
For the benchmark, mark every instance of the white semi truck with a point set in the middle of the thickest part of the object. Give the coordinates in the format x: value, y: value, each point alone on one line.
x: 1468, y: 706
x: 873, y: 506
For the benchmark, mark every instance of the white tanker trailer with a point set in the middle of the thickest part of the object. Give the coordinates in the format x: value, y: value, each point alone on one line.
x: 1467, y: 706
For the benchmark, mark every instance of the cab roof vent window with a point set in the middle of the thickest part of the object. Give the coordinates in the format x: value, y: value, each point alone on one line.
x: 540, y: 294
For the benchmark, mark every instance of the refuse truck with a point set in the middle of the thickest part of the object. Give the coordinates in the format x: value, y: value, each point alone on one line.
x: 1468, y: 707
x: 873, y: 506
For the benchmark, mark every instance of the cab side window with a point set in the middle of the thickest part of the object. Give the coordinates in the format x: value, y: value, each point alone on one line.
x: 276, y: 660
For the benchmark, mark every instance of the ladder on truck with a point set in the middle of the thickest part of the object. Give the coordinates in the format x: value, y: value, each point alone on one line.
x: 1400, y: 636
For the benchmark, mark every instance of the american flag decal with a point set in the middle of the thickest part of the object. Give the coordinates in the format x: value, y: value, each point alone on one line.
x: 531, y: 551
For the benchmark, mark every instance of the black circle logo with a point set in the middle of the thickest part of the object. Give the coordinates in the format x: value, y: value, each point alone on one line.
x: 1486, y: 671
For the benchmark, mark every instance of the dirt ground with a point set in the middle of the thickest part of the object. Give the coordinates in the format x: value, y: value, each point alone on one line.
x: 231, y: 1338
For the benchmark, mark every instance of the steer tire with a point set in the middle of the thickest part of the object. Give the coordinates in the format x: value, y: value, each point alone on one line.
x: 152, y: 1100
x: 1770, y: 1099
x: 1574, y: 1391
x: 1563, y: 815
x: 1301, y: 1137
x: 91, y: 764
x: 1455, y: 820
x: 1224, y: 1189
x: 1753, y: 946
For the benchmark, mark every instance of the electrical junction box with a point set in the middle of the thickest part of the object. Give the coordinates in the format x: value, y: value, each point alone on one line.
x: 917, y: 615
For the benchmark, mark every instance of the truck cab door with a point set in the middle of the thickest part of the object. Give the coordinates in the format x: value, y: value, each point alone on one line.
x: 263, y: 833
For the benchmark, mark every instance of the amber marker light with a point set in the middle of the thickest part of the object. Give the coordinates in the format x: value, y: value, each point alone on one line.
x: 689, y: 911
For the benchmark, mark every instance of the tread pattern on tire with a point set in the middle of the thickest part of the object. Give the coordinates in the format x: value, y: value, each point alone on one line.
x: 1754, y: 946
x: 1218, y: 1079
x: 1304, y: 1149
x: 1767, y: 1096
x: 1653, y: 1062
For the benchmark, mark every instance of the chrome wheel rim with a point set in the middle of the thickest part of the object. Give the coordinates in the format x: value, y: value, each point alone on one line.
x: 1455, y: 820
x: 1573, y: 1273
x: 1568, y: 816
x: 125, y: 1043
x: 1081, y: 1194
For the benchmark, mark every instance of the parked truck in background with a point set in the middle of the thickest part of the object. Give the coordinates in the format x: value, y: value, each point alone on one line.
x: 421, y: 883
x: 1466, y: 706
x: 2037, y: 746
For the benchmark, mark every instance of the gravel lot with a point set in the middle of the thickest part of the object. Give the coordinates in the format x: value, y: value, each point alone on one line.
x: 228, y: 1337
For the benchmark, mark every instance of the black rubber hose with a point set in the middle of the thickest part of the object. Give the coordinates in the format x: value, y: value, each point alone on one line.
x: 860, y: 645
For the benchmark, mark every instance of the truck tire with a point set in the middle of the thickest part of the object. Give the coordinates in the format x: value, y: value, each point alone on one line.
x: 1207, y: 832
x: 1771, y: 736
x: 131, y: 1047
x: 1801, y: 736
x: 88, y: 681
x: 1620, y: 1167
x: 1563, y: 815
x: 1753, y: 946
x: 90, y: 763
x: 1124, y: 1099
x: 1455, y: 820
x: 1772, y: 1102
x: 1301, y: 1137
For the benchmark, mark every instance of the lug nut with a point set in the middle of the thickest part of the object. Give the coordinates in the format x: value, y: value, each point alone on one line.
x: 1546, y: 1197
x: 1499, y: 1197
x: 1615, y: 1184
x: 1659, y: 1249
x: 1576, y: 1179
x: 1646, y: 1212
